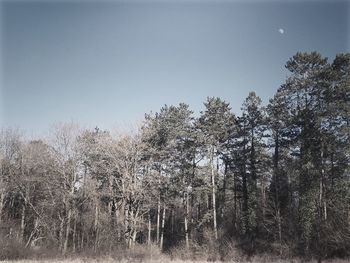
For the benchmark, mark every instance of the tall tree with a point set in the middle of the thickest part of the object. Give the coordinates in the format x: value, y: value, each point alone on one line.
x: 305, y: 93
x: 253, y: 154
x: 215, y: 124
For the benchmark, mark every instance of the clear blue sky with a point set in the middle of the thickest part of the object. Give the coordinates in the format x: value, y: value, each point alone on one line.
x: 107, y: 63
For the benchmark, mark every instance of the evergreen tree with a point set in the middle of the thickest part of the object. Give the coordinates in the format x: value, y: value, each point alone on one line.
x: 215, y: 124
x: 253, y: 169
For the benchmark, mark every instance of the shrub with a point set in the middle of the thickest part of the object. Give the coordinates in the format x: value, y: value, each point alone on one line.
x: 11, y: 249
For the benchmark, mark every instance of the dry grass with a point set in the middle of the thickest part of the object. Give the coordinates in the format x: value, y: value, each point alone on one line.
x: 162, y: 260
x: 106, y: 260
x: 228, y: 252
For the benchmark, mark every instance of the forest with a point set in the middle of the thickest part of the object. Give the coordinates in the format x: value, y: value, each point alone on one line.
x: 273, y: 179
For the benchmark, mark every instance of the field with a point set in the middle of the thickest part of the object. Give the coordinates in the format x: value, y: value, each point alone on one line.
x: 145, y: 254
x: 165, y: 260
x: 149, y: 254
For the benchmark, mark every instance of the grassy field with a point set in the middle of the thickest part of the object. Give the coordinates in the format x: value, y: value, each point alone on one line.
x: 163, y: 260
x: 148, y: 254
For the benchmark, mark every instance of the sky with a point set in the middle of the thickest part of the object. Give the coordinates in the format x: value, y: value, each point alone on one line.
x: 107, y: 63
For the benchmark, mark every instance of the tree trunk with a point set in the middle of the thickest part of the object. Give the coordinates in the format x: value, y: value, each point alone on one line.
x: 158, y: 219
x: 61, y: 233
x: 30, y: 239
x: 2, y: 198
x: 277, y: 189
x: 126, y: 226
x: 131, y: 230
x: 198, y: 211
x: 149, y: 228
x: 235, y: 202
x: 162, y: 235
x: 65, y: 246
x: 323, y: 204
x: 213, y: 192
x: 224, y: 191
x: 186, y: 221
x: 263, y: 198
x: 172, y: 221
x: 82, y: 241
x: 110, y: 201
x: 134, y: 234
x: 96, y: 226
x: 244, y: 189
x: 279, y: 230
x: 74, y: 233
x: 23, y: 224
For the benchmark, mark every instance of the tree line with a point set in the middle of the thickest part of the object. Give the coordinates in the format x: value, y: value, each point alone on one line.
x: 273, y: 178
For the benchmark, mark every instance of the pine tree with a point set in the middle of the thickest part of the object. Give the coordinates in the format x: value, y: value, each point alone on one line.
x: 215, y: 124
x: 253, y: 126
x: 304, y: 92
